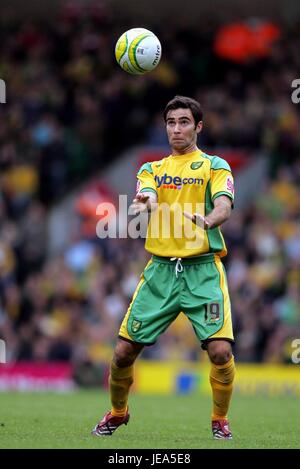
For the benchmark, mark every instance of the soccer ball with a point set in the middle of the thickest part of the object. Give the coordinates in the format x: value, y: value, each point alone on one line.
x: 138, y: 51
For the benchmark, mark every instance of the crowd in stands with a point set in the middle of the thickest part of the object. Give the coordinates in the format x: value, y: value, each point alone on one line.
x: 70, y: 111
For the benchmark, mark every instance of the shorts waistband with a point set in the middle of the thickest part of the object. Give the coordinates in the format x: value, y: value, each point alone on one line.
x: 203, y: 259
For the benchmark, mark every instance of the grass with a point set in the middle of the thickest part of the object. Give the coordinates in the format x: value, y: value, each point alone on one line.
x: 48, y: 420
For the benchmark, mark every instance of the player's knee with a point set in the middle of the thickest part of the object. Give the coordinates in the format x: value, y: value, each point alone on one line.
x: 122, y: 359
x: 221, y: 357
x: 124, y: 354
x: 220, y: 353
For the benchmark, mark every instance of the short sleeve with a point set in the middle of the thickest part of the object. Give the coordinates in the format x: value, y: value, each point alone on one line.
x: 145, y: 179
x: 222, y: 182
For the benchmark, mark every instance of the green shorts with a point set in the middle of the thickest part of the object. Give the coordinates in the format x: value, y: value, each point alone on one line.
x: 195, y: 286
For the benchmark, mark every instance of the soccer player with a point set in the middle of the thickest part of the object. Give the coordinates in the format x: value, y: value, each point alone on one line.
x: 185, y: 273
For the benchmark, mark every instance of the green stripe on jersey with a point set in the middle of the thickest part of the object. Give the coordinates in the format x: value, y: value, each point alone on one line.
x: 145, y: 167
x: 214, y: 236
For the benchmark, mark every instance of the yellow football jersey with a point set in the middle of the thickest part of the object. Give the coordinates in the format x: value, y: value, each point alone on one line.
x: 189, y: 182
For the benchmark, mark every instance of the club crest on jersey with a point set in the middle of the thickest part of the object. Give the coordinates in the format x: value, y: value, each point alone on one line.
x: 136, y: 325
x: 196, y: 164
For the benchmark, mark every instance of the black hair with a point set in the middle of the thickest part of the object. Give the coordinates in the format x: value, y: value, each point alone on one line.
x: 185, y: 103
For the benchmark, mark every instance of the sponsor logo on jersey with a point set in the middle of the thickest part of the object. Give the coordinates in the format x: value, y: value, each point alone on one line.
x: 175, y: 182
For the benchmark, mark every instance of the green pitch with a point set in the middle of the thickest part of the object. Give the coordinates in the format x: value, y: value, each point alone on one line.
x: 157, y: 422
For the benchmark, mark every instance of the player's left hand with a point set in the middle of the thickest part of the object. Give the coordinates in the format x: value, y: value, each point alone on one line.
x: 139, y: 204
x: 199, y: 220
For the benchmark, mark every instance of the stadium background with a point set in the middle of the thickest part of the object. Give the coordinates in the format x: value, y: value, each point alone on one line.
x: 74, y: 130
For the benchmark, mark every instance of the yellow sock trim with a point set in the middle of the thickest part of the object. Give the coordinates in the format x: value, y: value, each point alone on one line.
x: 118, y: 413
x: 119, y: 373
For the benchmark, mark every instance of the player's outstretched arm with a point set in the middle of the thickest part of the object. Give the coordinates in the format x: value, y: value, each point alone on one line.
x: 220, y: 213
x: 143, y: 202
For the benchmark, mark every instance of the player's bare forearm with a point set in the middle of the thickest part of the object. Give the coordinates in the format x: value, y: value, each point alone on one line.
x: 220, y: 213
x: 144, y: 202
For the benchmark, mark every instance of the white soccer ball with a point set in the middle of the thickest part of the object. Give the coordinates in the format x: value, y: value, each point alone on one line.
x: 138, y: 51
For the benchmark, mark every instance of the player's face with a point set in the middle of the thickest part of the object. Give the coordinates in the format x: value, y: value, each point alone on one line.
x: 181, y: 130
